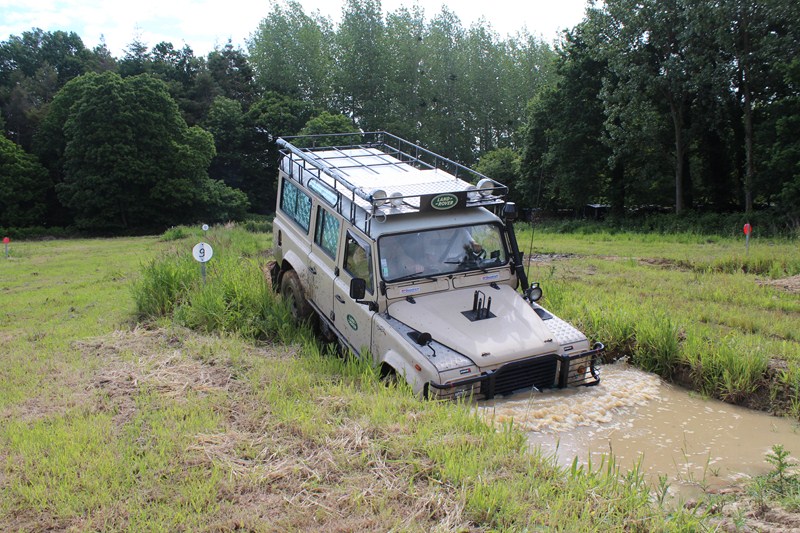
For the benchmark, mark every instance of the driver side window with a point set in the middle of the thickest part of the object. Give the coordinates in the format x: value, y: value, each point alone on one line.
x: 358, y: 261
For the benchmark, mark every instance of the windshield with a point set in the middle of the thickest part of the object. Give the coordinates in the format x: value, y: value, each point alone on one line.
x: 441, y: 251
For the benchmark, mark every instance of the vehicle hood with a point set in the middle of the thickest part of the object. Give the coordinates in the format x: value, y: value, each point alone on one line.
x: 515, y: 331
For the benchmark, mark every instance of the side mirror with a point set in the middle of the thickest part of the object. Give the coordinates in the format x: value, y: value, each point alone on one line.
x: 534, y: 293
x: 358, y: 288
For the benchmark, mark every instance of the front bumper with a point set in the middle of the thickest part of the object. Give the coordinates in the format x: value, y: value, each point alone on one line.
x: 542, y: 372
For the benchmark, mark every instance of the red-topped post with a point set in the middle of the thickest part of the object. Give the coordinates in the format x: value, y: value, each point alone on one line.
x: 747, y: 230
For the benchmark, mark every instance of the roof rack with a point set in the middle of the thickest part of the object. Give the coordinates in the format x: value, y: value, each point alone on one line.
x: 377, y: 174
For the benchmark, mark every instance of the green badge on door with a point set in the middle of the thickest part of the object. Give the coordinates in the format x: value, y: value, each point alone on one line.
x: 352, y: 321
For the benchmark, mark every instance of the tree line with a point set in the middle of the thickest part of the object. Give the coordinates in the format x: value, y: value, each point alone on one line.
x: 690, y: 104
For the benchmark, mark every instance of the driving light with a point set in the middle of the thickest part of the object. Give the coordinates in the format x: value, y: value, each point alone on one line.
x: 473, y: 194
x: 378, y: 197
x: 396, y: 199
x: 486, y: 186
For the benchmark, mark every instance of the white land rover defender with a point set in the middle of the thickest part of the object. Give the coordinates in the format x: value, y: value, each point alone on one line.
x: 400, y: 253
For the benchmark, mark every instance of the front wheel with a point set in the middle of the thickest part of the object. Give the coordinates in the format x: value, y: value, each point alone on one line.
x: 292, y: 292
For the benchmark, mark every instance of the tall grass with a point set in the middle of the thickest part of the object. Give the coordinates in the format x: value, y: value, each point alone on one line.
x: 235, y: 297
x: 698, y: 312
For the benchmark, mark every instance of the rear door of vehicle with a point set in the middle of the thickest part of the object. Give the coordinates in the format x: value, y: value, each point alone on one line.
x: 322, y: 258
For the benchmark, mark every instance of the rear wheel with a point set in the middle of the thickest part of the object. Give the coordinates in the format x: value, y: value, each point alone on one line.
x: 292, y: 292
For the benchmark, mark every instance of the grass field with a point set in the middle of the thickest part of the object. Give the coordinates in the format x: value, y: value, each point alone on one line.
x: 110, y: 420
x: 696, y: 309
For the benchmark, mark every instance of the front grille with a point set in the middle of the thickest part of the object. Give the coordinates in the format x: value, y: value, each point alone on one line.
x: 539, y: 373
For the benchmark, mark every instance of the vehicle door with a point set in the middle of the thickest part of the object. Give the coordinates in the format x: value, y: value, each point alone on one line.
x: 322, y: 259
x: 353, y: 319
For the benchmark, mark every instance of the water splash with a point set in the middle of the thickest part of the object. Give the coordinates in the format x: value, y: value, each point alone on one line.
x: 621, y: 388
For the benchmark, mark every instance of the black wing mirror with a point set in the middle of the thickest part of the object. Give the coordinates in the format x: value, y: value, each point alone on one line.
x: 358, y: 288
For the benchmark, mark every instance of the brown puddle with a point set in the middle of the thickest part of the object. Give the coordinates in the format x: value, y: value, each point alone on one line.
x: 697, y: 443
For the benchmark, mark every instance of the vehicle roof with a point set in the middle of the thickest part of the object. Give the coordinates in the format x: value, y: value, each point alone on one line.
x: 383, y: 179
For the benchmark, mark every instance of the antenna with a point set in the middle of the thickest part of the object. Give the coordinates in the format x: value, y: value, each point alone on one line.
x: 530, y: 249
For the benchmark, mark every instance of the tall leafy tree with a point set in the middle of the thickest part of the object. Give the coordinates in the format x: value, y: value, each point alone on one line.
x: 131, y: 161
x: 406, y: 52
x: 230, y: 69
x: 291, y: 53
x: 652, y: 60
x: 483, y: 97
x: 23, y: 187
x: 756, y: 39
x: 362, y: 59
x: 137, y: 59
x: 33, y: 67
x: 444, y: 87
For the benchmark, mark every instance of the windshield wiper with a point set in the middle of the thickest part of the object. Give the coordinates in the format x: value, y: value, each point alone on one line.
x: 411, y: 276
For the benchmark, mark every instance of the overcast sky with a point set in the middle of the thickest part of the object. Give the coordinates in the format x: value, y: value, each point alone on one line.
x: 204, y: 24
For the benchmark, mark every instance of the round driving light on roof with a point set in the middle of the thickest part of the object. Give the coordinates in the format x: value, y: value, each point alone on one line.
x: 378, y: 197
x: 472, y: 193
x: 485, y: 186
x: 396, y: 199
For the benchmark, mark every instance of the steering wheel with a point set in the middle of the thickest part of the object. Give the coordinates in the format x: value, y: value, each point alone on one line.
x: 477, y: 256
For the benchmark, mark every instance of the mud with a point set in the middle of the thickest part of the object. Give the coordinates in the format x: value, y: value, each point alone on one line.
x: 791, y: 284
x: 699, y: 444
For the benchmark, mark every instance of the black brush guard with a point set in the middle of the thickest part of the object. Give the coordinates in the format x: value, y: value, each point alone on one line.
x: 542, y: 372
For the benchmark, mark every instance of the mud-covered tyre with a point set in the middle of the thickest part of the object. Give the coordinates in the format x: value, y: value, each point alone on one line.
x: 292, y: 292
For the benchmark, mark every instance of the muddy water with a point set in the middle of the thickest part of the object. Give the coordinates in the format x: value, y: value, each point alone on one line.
x: 698, y: 443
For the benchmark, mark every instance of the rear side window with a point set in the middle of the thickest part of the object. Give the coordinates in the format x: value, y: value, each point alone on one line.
x: 327, y: 232
x: 296, y: 204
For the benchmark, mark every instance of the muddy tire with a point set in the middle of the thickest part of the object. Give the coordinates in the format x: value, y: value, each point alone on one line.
x: 292, y: 292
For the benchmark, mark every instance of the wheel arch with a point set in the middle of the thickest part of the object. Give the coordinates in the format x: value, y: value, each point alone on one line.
x: 391, y: 361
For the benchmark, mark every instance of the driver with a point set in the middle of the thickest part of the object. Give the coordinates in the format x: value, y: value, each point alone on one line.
x: 461, y: 239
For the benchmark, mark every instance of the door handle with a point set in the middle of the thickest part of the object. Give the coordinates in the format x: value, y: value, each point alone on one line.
x: 339, y: 299
x: 312, y: 270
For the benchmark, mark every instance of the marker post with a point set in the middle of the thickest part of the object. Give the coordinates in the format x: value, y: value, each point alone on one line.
x: 747, y: 230
x: 6, y: 240
x: 202, y: 252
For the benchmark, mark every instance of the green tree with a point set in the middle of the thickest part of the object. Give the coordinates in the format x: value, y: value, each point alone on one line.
x: 292, y: 53
x: 443, y: 89
x: 131, y: 161
x: 502, y: 165
x: 274, y: 115
x: 653, y: 59
x: 405, y: 47
x: 23, y: 186
x: 232, y: 74
x: 33, y: 67
x: 137, y: 59
x: 361, y: 58
x: 325, y: 123
x: 566, y: 158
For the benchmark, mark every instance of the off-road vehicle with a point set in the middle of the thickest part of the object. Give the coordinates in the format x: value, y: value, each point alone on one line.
x: 408, y: 256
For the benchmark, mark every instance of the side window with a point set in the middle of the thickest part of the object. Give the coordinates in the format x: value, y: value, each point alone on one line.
x: 357, y: 261
x: 296, y: 204
x: 327, y: 232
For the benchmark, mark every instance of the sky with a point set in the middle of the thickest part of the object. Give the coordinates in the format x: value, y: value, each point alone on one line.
x: 206, y: 24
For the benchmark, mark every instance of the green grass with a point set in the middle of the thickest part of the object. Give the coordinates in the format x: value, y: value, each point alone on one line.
x: 114, y: 424
x: 679, y: 302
